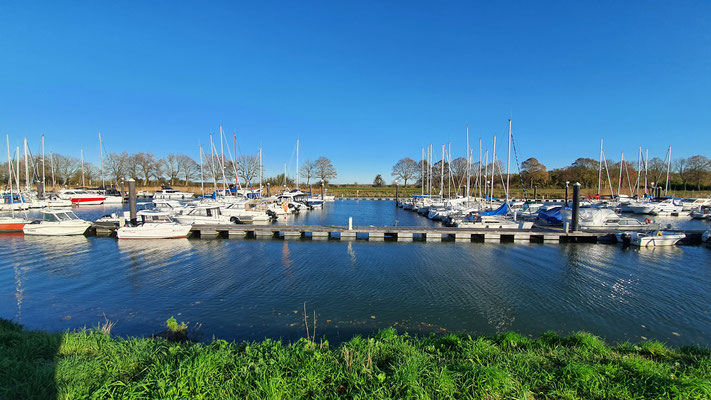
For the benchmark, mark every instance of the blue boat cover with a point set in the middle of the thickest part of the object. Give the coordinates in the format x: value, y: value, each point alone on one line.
x: 552, y: 215
x: 499, y: 211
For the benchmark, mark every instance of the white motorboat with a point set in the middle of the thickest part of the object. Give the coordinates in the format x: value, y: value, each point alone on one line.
x: 605, y: 220
x: 57, y: 223
x: 664, y: 207
x: 205, y: 214
x: 153, y: 225
x: 168, y: 193
x: 245, y: 216
x: 652, y: 238
x: 691, y: 204
x: 701, y: 213
x: 81, y: 197
x: 494, y: 222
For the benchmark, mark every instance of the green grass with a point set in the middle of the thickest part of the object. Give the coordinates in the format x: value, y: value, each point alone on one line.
x: 92, y: 364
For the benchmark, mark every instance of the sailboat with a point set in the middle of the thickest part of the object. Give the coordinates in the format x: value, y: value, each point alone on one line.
x: 11, y: 223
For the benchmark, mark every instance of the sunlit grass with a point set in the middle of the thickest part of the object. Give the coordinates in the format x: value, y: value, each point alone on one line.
x: 90, y: 363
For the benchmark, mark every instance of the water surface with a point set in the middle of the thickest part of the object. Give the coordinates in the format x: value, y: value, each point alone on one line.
x: 252, y: 289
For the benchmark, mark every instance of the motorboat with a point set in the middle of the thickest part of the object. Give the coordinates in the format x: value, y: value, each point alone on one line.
x: 12, y: 224
x: 205, y: 214
x: 606, y: 220
x: 57, y: 223
x: 168, y: 193
x: 13, y: 202
x: 246, y: 216
x: 664, y: 207
x: 651, y: 238
x: 655, y: 238
x: 494, y: 222
x: 81, y: 197
x: 691, y: 204
x: 153, y: 225
x: 701, y: 213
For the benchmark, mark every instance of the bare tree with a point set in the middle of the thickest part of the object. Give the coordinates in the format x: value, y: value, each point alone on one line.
x: 405, y: 169
x: 187, y: 167
x: 308, y: 169
x: 147, y: 165
x: 171, y: 167
x: 681, y: 166
x: 698, y: 168
x: 117, y: 165
x: 324, y: 169
x: 65, y: 167
x: 247, y: 167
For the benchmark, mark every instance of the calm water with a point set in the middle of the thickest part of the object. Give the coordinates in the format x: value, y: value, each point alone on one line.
x: 249, y: 289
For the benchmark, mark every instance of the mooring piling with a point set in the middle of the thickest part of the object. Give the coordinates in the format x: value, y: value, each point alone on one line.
x: 132, y: 201
x: 576, y: 207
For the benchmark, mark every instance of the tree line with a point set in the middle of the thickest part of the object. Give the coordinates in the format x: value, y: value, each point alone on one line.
x: 147, y: 169
x: 685, y: 173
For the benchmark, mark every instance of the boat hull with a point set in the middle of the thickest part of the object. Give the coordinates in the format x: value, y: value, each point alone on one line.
x: 44, y: 229
x: 12, y: 227
x: 166, y: 231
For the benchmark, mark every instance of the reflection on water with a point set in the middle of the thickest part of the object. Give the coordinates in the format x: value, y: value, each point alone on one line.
x: 251, y: 289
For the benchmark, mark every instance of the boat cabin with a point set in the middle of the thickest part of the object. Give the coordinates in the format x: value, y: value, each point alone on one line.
x: 58, y: 216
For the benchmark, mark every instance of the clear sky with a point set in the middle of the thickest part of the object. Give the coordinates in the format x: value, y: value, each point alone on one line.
x: 364, y: 83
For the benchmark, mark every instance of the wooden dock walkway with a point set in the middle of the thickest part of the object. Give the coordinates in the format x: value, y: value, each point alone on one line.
x: 396, y: 233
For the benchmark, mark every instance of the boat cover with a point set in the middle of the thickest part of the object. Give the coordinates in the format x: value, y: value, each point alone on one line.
x: 551, y: 215
x: 504, y: 209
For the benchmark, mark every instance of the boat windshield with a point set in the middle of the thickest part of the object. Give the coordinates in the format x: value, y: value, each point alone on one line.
x: 156, y: 218
x: 66, y: 216
x: 50, y: 217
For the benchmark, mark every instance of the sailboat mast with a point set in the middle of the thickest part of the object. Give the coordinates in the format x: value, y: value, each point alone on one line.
x: 508, y: 164
x: 422, y: 172
x: 43, y: 180
x: 493, y: 172
x: 51, y: 167
x: 212, y: 164
x: 27, y: 169
x: 202, y: 176
x: 486, y: 174
x: 297, y: 164
x: 619, y: 184
x: 666, y: 189
x: 101, y: 162
x: 234, y: 165
x: 81, y: 152
x: 9, y: 174
x: 479, y: 175
x: 599, y: 175
x: 222, y: 162
x: 646, y: 164
x: 17, y: 168
x: 449, y: 168
x: 260, y: 171
x: 468, y: 165
x: 441, y: 176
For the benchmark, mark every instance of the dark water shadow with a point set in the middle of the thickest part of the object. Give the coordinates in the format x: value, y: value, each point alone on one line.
x: 29, y: 362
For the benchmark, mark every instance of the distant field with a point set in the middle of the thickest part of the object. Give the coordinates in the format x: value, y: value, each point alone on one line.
x: 389, y: 191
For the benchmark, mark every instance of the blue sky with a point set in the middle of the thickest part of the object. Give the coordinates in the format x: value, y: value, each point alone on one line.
x: 363, y: 83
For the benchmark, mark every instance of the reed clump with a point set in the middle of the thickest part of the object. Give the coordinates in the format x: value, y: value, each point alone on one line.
x: 90, y: 363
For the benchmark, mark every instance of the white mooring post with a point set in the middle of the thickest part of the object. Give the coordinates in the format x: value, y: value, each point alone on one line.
x: 350, y: 223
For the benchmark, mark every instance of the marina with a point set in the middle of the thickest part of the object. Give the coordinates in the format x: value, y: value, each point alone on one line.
x: 246, y: 289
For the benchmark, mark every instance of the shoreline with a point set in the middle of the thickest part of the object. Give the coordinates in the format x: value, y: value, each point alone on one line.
x: 38, y: 364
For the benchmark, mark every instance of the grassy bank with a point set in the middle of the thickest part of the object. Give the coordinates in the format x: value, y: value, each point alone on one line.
x: 390, y: 365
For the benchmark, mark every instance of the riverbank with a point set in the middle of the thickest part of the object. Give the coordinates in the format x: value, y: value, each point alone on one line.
x: 87, y: 363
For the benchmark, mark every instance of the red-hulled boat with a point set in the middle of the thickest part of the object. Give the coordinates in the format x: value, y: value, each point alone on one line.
x: 12, y: 224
